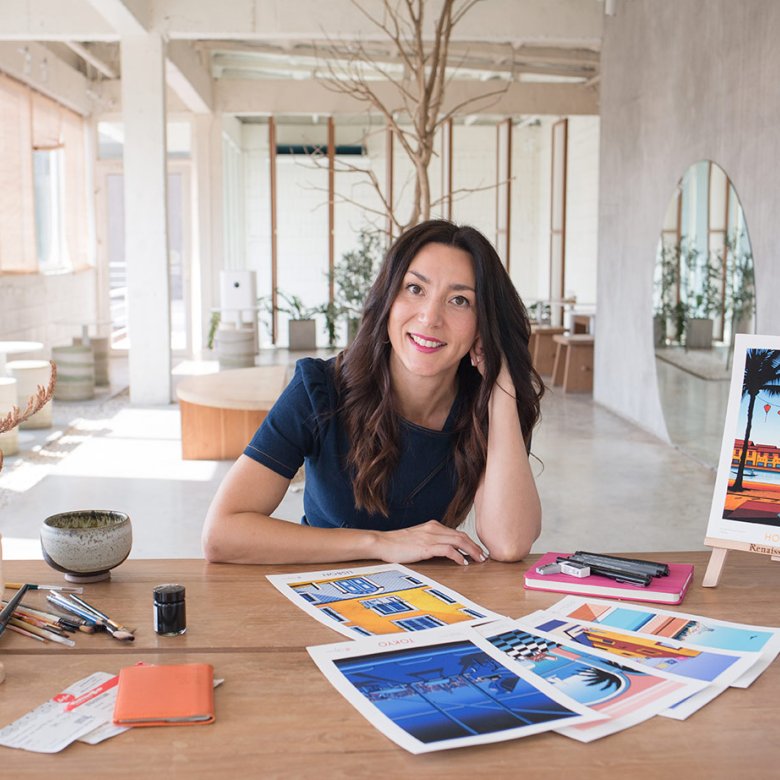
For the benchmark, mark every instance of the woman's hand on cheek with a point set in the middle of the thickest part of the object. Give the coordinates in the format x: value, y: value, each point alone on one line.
x: 477, y: 357
x: 425, y: 541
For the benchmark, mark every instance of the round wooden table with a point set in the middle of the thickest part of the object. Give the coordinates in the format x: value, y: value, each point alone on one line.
x: 220, y: 412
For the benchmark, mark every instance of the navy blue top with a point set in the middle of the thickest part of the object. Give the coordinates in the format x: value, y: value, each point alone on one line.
x: 302, y: 427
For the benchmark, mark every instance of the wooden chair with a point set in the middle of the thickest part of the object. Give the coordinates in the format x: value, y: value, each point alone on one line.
x: 573, y: 366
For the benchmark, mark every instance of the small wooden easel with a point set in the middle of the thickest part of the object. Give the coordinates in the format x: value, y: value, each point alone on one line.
x: 720, y: 549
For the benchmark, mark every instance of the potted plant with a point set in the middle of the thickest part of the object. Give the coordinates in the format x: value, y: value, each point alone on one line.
x: 740, y: 284
x: 352, y: 277
x: 301, y: 326
x: 670, y: 311
x: 702, y: 294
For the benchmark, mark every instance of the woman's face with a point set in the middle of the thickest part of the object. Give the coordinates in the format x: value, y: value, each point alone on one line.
x: 433, y: 320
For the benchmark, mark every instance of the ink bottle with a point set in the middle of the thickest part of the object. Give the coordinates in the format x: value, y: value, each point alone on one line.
x: 170, y: 614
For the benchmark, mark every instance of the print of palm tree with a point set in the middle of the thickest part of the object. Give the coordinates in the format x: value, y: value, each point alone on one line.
x: 602, y: 677
x: 762, y: 375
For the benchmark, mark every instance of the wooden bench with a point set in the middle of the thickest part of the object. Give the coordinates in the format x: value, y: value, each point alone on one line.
x: 542, y: 348
x: 220, y: 412
x: 573, y: 367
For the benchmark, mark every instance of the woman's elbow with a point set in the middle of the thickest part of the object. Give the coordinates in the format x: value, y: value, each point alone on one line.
x: 512, y: 550
x: 212, y: 544
x: 509, y: 553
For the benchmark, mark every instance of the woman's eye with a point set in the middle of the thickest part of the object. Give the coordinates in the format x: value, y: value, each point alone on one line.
x: 461, y: 300
x: 413, y: 288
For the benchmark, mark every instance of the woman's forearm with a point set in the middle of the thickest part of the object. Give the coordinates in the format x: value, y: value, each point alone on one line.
x: 508, y: 510
x: 249, y: 537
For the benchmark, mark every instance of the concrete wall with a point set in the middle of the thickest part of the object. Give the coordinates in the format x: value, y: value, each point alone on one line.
x: 681, y: 81
x: 37, y: 307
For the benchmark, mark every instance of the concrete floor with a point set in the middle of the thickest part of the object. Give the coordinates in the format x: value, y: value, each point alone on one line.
x: 605, y: 484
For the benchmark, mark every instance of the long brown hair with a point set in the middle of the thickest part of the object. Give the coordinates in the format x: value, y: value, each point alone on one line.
x: 363, y: 371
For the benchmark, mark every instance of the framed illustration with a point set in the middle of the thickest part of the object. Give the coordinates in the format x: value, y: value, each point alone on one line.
x: 745, y: 513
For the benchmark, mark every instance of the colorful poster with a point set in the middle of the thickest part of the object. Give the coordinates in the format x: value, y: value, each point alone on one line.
x: 443, y: 689
x: 717, y: 667
x: 701, y: 631
x: 383, y: 599
x: 622, y: 692
x: 745, y: 513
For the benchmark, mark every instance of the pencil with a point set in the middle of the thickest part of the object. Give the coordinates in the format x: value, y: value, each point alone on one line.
x: 61, y: 588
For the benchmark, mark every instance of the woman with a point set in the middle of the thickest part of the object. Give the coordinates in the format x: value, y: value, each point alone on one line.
x: 429, y: 411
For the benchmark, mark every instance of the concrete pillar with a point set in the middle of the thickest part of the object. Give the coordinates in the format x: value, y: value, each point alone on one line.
x: 146, y: 232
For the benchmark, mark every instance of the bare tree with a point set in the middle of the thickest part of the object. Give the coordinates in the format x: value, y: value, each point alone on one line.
x: 406, y: 80
x: 35, y: 403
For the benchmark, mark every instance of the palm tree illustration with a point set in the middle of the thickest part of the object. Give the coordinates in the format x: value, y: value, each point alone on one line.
x: 596, y: 676
x: 762, y: 375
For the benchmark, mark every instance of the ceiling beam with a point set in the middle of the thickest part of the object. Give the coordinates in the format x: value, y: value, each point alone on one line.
x: 285, y: 96
x: 53, y: 20
x: 552, y: 22
x: 104, y: 68
x: 126, y: 17
x: 35, y: 65
x: 188, y: 78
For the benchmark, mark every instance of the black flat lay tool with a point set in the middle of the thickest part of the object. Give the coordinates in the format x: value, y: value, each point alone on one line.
x: 5, y: 615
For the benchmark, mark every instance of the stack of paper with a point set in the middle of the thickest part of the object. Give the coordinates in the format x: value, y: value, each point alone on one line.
x: 457, y: 674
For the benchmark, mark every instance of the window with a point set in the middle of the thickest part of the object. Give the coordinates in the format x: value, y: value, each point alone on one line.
x: 331, y: 613
x: 49, y: 189
x: 441, y: 596
x: 389, y: 605
x: 419, y: 623
x: 356, y: 586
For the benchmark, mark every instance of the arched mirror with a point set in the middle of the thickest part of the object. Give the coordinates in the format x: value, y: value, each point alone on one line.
x: 704, y: 293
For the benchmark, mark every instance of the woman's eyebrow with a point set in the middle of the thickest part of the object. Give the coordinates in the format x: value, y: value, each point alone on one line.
x: 455, y: 286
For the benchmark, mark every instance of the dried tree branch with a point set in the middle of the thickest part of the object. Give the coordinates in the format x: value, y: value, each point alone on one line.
x: 35, y: 403
x: 419, y: 90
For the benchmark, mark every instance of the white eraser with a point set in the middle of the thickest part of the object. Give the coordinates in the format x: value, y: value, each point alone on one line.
x: 575, y: 569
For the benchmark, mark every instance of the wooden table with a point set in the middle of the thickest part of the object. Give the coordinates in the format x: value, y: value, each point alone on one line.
x: 277, y: 716
x: 220, y: 412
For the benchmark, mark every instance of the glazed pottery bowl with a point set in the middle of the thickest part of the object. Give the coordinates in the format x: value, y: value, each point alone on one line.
x: 86, y: 544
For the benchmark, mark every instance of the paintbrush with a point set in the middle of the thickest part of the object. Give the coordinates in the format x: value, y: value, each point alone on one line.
x: 70, y: 623
x: 61, y: 588
x: 74, y: 609
x: 24, y: 632
x: 9, y: 608
x: 41, y: 632
x: 117, y: 631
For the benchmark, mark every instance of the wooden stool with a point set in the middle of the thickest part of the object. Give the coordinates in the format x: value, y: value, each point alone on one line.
x: 75, y: 373
x: 573, y: 367
x: 542, y: 348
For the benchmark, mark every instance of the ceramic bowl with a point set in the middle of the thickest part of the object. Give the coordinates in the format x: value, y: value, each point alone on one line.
x: 86, y: 544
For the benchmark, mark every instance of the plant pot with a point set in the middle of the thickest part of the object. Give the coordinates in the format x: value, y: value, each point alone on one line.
x: 659, y: 331
x: 698, y: 333
x: 302, y: 335
x: 235, y: 347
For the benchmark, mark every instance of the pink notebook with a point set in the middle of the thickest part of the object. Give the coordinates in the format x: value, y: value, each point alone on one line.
x: 662, y: 590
